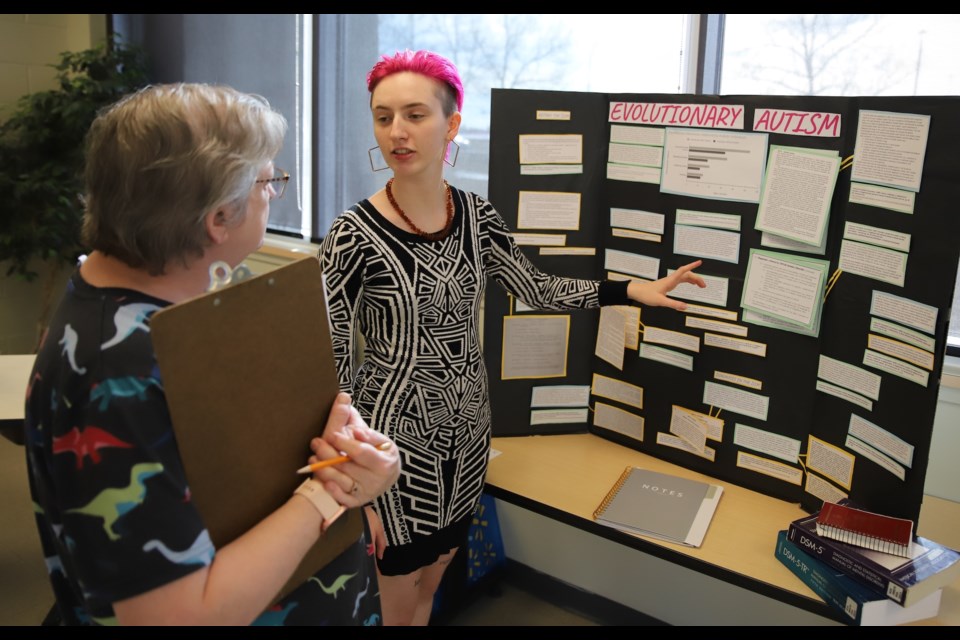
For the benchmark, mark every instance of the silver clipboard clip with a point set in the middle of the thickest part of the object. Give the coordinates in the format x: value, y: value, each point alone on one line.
x: 222, y: 276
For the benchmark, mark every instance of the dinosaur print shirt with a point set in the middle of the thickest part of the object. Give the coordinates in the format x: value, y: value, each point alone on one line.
x: 111, y: 500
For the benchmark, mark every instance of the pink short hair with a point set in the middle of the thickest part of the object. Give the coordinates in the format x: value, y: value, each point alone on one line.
x: 426, y: 63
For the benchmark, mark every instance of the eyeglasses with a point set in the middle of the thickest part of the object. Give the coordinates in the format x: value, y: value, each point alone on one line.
x: 278, y: 181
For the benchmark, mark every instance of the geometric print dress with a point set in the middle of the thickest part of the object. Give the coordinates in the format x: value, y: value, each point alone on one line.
x: 422, y: 380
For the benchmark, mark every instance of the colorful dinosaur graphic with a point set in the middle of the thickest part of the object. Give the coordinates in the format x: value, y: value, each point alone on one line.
x: 340, y: 584
x: 356, y: 604
x: 112, y: 503
x: 200, y: 552
x: 128, y: 319
x: 87, y: 442
x: 69, y: 342
x: 126, y: 387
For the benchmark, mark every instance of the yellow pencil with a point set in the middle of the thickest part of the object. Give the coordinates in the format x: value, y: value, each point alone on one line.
x: 310, y: 468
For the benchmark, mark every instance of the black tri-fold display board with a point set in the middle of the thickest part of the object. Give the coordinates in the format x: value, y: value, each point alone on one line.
x: 809, y: 367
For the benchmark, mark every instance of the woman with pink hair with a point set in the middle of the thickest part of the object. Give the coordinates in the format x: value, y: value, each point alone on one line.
x: 406, y: 270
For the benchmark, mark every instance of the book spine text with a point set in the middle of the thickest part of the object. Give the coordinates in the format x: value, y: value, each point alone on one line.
x: 824, y: 550
x: 821, y: 582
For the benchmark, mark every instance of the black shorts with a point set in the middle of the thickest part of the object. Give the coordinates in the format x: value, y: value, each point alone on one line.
x: 424, y: 550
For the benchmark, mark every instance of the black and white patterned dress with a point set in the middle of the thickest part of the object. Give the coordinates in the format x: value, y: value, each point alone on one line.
x: 423, y: 381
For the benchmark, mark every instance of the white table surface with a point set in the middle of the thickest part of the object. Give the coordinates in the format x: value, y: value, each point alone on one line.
x: 14, y: 374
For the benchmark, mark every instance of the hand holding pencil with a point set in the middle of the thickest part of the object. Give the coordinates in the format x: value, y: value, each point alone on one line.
x: 310, y: 468
x: 354, y: 462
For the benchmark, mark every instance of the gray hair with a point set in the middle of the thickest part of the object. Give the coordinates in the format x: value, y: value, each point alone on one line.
x: 160, y: 159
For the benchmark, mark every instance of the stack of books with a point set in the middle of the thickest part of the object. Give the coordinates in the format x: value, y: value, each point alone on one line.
x: 866, y: 586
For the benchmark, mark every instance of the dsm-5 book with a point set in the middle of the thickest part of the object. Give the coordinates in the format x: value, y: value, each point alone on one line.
x: 929, y: 567
x: 858, y: 604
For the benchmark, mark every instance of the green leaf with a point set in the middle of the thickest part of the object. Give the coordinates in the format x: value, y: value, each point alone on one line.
x: 41, y: 153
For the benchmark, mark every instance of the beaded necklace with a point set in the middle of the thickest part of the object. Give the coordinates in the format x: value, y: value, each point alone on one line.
x: 436, y: 235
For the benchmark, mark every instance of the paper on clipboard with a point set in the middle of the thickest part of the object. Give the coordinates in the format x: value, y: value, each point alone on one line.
x: 250, y: 378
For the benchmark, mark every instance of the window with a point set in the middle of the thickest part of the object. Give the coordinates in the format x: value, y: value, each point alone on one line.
x: 841, y: 54
x: 262, y: 54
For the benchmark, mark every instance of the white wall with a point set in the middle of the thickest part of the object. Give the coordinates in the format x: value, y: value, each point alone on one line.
x: 943, y: 472
x: 29, y: 44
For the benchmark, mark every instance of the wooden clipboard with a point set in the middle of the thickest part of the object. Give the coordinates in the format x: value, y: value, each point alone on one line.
x: 250, y: 378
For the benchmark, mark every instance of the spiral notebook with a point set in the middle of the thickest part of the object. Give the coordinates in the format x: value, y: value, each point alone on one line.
x: 660, y: 505
x: 865, y: 528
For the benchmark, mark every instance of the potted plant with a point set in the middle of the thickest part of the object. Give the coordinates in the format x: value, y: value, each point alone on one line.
x: 41, y: 161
